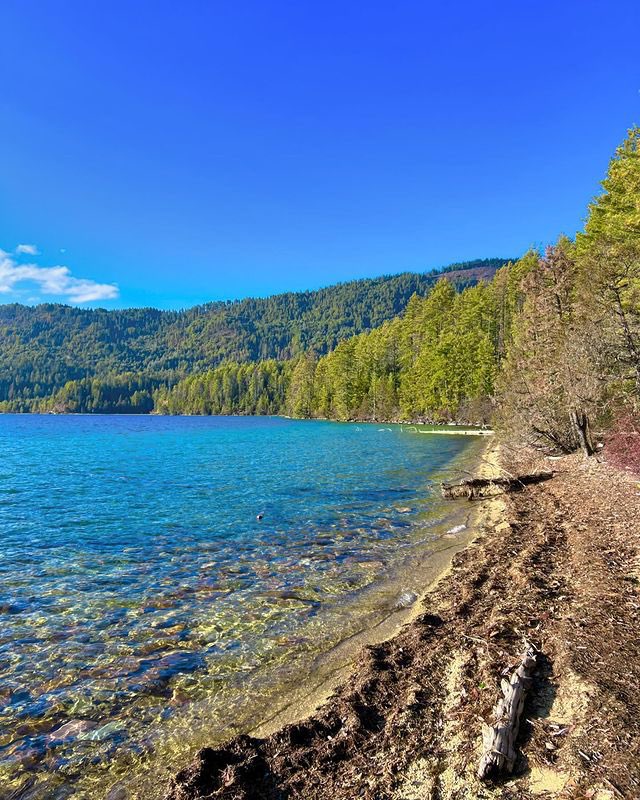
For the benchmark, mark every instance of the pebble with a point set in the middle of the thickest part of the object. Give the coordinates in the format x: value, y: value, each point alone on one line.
x: 157, y: 674
x: 117, y: 793
x: 12, y: 608
x: 105, y: 732
x: 457, y: 529
x: 71, y: 730
x: 405, y: 600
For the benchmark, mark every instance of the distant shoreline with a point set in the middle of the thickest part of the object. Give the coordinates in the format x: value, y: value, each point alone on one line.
x: 452, y: 428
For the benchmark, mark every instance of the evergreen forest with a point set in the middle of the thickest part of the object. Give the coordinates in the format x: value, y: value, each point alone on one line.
x: 547, y: 345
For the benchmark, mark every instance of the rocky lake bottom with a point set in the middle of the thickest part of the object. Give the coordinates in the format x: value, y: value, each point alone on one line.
x: 165, y: 578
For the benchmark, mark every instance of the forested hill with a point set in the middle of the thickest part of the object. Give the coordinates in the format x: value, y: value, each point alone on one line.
x: 44, y: 347
x: 548, y: 346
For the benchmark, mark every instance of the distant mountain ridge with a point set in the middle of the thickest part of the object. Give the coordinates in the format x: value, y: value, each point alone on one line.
x: 42, y: 347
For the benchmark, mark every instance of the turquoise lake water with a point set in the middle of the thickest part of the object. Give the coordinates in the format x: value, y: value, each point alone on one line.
x: 146, y: 611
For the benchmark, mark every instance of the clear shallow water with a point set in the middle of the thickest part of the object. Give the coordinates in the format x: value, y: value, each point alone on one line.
x: 145, y: 611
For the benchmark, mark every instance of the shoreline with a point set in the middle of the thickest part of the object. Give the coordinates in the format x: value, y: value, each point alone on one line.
x: 258, y: 691
x: 266, y: 698
x: 559, y: 564
x: 311, y: 697
x: 308, y: 699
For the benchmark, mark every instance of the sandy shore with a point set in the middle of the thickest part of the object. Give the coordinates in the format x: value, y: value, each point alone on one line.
x: 559, y: 564
x: 461, y: 432
x: 335, y: 667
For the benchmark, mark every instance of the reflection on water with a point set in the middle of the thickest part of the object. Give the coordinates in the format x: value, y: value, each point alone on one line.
x: 145, y: 610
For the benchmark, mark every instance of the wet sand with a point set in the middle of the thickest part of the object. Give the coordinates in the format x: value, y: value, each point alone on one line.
x: 333, y: 667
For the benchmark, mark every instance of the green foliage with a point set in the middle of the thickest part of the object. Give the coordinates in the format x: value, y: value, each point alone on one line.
x: 425, y: 364
x: 42, y: 348
x: 232, y: 388
x: 608, y: 260
x: 614, y: 216
x: 113, y: 394
x: 300, y: 392
x: 574, y: 358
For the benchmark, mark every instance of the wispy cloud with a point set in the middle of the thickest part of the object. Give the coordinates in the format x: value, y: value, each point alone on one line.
x: 56, y: 281
x: 27, y: 250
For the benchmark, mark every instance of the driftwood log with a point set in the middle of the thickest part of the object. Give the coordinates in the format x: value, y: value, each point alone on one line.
x: 477, y: 487
x: 499, y: 739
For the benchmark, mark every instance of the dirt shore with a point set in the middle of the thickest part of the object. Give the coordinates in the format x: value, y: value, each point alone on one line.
x: 558, y: 564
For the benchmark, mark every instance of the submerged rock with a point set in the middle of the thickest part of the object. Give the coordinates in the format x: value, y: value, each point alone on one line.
x: 107, y: 731
x: 117, y: 793
x: 456, y: 529
x: 12, y: 608
x: 156, y: 674
x: 405, y: 600
x: 285, y: 594
x: 71, y: 730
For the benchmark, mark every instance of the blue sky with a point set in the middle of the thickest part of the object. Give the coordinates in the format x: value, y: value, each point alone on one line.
x: 164, y: 153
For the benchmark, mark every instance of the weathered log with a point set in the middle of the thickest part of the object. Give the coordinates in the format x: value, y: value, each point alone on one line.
x: 476, y: 487
x: 499, y: 739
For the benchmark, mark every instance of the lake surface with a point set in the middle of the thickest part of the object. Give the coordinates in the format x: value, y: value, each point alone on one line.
x: 146, y: 611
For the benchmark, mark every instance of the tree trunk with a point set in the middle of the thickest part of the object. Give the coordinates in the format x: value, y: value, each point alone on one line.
x: 580, y: 423
x: 476, y: 487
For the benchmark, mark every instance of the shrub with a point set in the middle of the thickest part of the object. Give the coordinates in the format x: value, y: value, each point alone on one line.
x: 623, y: 443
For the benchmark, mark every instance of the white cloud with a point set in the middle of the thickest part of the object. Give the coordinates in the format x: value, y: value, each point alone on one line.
x: 51, y: 281
x: 27, y: 250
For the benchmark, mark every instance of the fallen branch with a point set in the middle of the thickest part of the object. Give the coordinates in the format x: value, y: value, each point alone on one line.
x: 499, y: 752
x: 476, y: 487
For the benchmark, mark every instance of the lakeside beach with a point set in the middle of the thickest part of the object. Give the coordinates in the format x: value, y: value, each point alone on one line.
x: 406, y: 721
